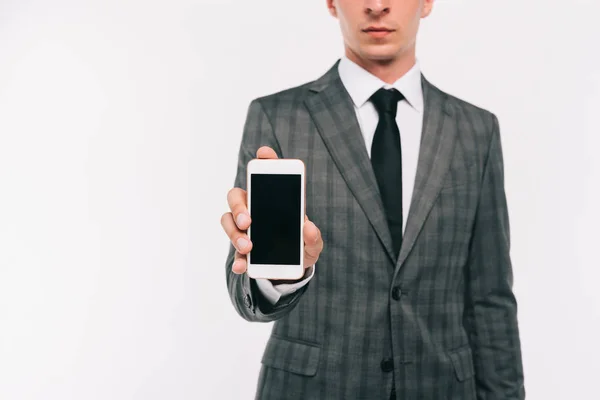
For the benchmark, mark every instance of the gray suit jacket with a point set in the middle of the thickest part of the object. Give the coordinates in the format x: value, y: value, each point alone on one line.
x: 440, y: 321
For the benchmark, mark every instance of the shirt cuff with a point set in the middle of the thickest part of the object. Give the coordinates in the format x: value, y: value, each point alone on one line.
x: 274, y: 292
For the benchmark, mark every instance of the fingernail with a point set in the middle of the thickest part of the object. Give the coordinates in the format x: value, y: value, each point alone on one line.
x: 236, y: 265
x: 242, y: 243
x: 241, y: 220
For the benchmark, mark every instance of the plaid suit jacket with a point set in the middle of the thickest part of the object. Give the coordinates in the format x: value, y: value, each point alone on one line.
x: 440, y: 321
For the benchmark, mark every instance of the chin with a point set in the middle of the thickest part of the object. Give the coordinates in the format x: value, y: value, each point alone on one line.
x: 380, y: 53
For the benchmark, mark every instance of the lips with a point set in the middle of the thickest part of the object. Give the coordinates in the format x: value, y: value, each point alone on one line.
x: 377, y: 29
x: 378, y: 32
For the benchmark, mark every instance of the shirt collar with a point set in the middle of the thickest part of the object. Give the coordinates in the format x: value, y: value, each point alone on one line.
x: 361, y: 84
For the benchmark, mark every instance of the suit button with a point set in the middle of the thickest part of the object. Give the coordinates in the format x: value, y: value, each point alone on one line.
x: 396, y: 293
x: 387, y: 365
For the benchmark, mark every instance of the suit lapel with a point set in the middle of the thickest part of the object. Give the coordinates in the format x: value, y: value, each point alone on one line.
x: 435, y: 153
x: 333, y: 112
x: 331, y: 108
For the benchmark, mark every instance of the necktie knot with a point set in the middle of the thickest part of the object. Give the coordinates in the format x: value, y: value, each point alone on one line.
x: 386, y: 100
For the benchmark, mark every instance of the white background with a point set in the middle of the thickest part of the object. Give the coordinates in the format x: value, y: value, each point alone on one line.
x: 119, y: 129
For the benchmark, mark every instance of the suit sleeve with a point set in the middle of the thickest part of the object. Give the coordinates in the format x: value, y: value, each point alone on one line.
x: 244, y: 293
x: 491, y: 307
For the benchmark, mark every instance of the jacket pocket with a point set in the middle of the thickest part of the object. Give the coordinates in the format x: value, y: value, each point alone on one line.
x: 460, y: 174
x: 293, y: 356
x: 462, y: 360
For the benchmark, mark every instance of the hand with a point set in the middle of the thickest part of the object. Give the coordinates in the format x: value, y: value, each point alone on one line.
x: 236, y: 222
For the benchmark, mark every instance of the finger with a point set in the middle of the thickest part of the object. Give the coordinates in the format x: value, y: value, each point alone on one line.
x: 239, y: 263
x: 236, y: 198
x: 311, y: 232
x: 239, y: 239
x: 266, y: 152
x: 313, y: 243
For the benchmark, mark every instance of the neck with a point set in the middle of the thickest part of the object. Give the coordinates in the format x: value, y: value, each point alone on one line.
x: 389, y: 70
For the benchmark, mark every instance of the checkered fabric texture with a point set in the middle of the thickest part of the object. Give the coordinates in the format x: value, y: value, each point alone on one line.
x: 441, y: 319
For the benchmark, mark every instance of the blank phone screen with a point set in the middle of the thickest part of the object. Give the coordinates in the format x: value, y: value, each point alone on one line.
x: 275, y: 211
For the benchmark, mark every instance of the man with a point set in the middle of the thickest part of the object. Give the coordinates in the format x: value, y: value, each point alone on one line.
x: 408, y: 221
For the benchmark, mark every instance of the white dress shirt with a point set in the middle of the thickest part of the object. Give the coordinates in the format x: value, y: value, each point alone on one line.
x: 361, y: 84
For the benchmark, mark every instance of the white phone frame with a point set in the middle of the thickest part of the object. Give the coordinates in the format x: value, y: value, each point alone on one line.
x: 275, y: 167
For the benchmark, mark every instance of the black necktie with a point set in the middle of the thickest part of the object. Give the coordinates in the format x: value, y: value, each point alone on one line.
x: 386, y: 158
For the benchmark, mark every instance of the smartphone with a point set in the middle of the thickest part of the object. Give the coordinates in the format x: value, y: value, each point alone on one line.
x: 276, y: 195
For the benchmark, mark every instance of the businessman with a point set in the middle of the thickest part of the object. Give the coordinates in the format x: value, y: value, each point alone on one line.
x: 407, y: 291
